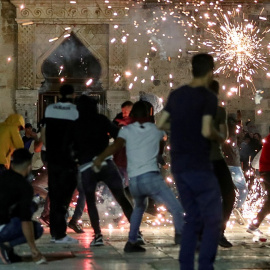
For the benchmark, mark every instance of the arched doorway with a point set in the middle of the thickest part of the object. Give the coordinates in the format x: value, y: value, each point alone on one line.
x: 71, y: 63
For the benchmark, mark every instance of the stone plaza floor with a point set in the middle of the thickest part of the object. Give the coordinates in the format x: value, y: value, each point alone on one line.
x: 161, y: 252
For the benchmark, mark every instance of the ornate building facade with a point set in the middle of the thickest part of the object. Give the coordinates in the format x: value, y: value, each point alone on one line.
x: 31, y: 35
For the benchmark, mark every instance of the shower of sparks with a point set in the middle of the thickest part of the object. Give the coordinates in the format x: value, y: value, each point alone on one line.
x: 237, y: 47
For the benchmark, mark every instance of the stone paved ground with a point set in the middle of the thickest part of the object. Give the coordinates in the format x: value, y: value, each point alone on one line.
x: 161, y: 253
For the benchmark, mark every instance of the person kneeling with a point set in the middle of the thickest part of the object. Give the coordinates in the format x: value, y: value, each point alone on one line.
x: 17, y: 208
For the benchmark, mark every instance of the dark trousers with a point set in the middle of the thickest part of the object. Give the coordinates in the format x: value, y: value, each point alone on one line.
x: 200, y: 196
x: 13, y: 234
x: 226, y: 185
x: 109, y: 174
x: 62, y: 183
x: 80, y: 201
x: 266, y: 206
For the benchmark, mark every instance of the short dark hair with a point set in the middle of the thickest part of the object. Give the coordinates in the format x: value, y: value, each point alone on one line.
x: 139, y: 110
x: 127, y: 103
x: 214, y: 87
x: 21, y: 156
x: 66, y: 89
x: 201, y: 64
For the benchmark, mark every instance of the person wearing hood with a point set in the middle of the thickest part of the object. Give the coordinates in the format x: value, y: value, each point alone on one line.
x: 10, y: 139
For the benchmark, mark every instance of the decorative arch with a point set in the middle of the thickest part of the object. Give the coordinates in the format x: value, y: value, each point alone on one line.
x: 103, y: 63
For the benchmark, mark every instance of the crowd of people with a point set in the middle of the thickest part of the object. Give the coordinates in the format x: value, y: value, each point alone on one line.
x: 210, y: 161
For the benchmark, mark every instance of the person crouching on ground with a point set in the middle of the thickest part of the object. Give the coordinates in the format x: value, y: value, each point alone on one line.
x: 142, y: 140
x: 17, y: 207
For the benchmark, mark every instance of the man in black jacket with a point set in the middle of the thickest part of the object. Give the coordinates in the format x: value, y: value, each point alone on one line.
x: 58, y: 137
x: 93, y: 131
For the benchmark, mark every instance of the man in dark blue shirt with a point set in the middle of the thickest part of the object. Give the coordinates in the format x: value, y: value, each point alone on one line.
x: 191, y: 110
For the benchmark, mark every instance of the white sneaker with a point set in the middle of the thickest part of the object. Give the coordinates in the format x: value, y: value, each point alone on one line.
x: 258, y: 235
x: 66, y: 240
x: 255, y: 231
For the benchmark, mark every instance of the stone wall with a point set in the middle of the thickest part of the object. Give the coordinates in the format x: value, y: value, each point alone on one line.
x: 8, y: 58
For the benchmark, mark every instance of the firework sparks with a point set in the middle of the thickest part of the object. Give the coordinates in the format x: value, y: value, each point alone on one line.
x: 237, y: 46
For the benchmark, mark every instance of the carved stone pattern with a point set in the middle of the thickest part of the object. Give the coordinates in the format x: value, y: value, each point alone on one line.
x: 81, y: 12
x: 26, y: 42
x: 118, y: 59
x: 43, y: 34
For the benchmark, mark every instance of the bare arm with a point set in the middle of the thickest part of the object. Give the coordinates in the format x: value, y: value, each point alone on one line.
x: 28, y: 231
x: 110, y: 150
x: 163, y: 123
x: 208, y: 130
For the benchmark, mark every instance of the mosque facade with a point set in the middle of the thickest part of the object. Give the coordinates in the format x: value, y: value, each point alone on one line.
x: 92, y: 45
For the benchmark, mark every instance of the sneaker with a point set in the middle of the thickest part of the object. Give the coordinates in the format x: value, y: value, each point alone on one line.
x: 177, y: 238
x: 44, y: 220
x: 39, y: 259
x: 97, y: 241
x: 140, y: 240
x: 129, y: 247
x: 257, y: 233
x: 4, y: 254
x: 76, y: 227
x: 223, y: 242
x: 66, y: 240
x: 238, y: 215
x: 254, y: 230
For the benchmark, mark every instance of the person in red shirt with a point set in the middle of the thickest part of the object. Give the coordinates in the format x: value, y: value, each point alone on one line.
x: 264, y: 168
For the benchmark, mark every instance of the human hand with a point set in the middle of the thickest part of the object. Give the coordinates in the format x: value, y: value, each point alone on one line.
x: 37, y: 257
x: 97, y: 162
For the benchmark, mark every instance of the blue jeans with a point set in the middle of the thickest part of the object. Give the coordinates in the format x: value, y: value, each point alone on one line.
x: 200, y: 196
x: 13, y: 233
x: 240, y: 183
x: 152, y: 185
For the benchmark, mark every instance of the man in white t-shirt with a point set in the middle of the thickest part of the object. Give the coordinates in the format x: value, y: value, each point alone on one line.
x: 142, y: 140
